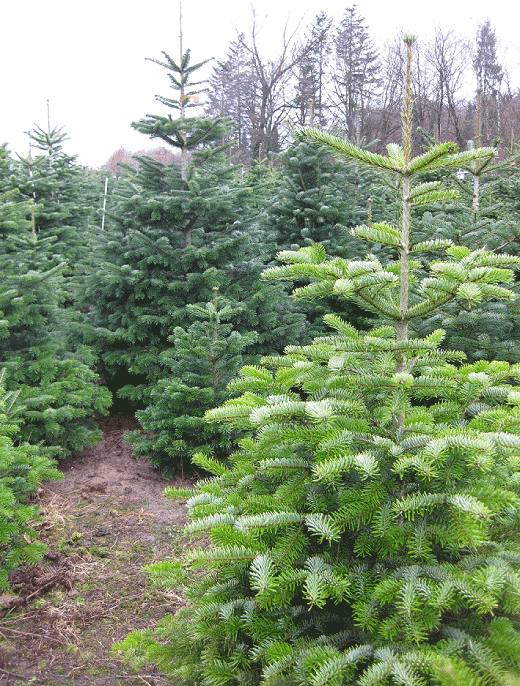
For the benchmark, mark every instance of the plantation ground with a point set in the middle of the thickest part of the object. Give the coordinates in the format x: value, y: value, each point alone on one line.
x: 102, y: 524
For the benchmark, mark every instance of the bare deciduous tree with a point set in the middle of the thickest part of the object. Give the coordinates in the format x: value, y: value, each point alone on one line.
x: 117, y: 159
x: 387, y: 121
x: 335, y: 78
x: 273, y: 83
x: 448, y: 59
x: 231, y: 92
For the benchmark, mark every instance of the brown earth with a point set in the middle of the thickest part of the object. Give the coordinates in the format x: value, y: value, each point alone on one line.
x: 102, y: 523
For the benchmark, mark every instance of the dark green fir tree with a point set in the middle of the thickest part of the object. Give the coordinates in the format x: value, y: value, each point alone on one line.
x: 366, y: 532
x: 482, y: 215
x: 204, y: 358
x: 55, y: 380
x: 177, y: 231
x: 319, y: 201
x: 175, y: 234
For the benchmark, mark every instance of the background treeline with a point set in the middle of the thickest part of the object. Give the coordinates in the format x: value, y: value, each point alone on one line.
x: 336, y: 77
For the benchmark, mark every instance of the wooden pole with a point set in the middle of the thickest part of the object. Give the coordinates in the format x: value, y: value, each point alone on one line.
x: 104, y: 204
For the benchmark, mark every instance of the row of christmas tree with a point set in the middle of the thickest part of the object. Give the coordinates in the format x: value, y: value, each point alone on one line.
x: 167, y: 303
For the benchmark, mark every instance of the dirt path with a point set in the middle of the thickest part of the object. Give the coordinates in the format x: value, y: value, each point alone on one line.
x: 110, y: 469
x: 104, y: 522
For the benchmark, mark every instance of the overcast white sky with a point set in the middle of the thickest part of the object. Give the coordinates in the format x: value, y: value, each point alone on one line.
x: 88, y: 58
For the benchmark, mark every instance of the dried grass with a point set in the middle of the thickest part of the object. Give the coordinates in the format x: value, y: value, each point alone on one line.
x: 90, y: 590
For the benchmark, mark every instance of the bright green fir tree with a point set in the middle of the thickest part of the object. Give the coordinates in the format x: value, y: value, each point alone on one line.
x: 365, y: 532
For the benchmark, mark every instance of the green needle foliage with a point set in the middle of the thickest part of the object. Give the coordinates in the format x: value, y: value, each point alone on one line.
x: 22, y: 469
x: 311, y: 205
x: 319, y: 200
x: 64, y: 194
x: 177, y: 231
x: 203, y: 359
x: 364, y: 532
x: 53, y: 374
x: 175, y: 234
x: 483, y: 215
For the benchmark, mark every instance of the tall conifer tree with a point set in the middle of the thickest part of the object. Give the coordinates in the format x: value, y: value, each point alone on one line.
x: 178, y: 231
x: 356, y: 75
x: 174, y: 235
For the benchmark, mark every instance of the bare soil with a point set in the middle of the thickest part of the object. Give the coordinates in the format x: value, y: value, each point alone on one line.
x: 102, y: 523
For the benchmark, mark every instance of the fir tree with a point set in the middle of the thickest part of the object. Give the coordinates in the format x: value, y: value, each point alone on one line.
x: 489, y: 74
x: 365, y: 533
x: 62, y: 192
x: 356, y: 76
x: 178, y: 231
x: 173, y: 236
x: 269, y: 310
x: 319, y: 201
x: 310, y: 102
x: 203, y: 359
x: 55, y: 379
x: 481, y: 216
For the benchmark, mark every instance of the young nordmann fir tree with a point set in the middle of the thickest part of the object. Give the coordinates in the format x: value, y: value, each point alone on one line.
x: 203, y: 359
x: 365, y: 532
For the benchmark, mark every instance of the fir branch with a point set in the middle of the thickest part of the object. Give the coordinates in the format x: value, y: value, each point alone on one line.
x: 347, y: 149
x: 433, y: 158
x: 336, y: 667
x: 216, y: 556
